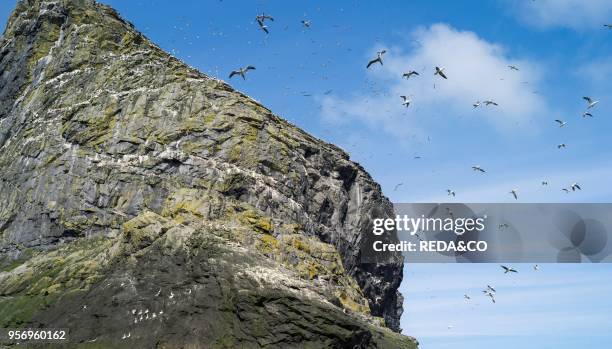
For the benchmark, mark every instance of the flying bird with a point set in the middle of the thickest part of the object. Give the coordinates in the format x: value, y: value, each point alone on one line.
x: 586, y: 114
x: 490, y: 295
x: 406, y: 101
x: 378, y: 59
x: 562, y: 145
x: 476, y: 104
x: 397, y: 186
x: 450, y: 192
x: 490, y: 289
x: 609, y: 26
x: 489, y: 102
x: 508, y: 269
x: 591, y: 103
x: 409, y: 74
x: 513, y: 67
x: 514, y: 193
x: 561, y: 123
x: 536, y: 267
x: 242, y: 71
x: 418, y: 236
x: 478, y: 168
x: 467, y: 297
x: 440, y: 71
x: 261, y: 20
x: 575, y: 186
x: 565, y: 190
x: 544, y: 183
x: 306, y: 23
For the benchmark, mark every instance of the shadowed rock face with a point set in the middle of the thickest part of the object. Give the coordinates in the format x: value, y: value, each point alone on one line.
x: 131, y: 182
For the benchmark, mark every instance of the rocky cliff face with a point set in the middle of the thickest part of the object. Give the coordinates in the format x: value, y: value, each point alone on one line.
x: 142, y: 197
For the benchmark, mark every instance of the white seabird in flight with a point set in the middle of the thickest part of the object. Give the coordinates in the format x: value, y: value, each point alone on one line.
x: 242, y: 71
x: 378, y: 59
x: 513, y: 67
x: 409, y: 74
x: 450, y: 192
x: 261, y: 20
x: 508, y: 269
x: 562, y: 145
x: 590, y: 101
x: 575, y: 186
x: 478, y: 168
x: 406, y: 101
x: 440, y: 71
x: 561, y: 123
x: 489, y: 102
x: 586, y: 114
x: 514, y: 193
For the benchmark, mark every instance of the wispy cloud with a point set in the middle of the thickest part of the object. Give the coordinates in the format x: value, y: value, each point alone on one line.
x: 576, y: 14
x: 477, y: 70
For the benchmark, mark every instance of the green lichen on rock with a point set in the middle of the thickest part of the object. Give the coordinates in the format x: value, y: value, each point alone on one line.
x: 46, y: 278
x: 258, y: 222
x: 131, y: 181
x: 142, y: 230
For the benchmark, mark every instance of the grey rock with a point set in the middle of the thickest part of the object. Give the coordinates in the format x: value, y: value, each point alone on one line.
x: 99, y: 128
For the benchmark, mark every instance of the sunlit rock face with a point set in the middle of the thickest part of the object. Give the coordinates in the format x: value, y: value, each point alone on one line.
x: 141, y: 197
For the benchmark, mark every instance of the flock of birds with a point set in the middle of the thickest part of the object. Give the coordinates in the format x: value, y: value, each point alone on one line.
x: 438, y: 71
x: 490, y: 291
x: 261, y: 22
x: 406, y: 101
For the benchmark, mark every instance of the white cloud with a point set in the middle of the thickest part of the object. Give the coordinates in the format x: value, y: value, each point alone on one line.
x: 476, y: 70
x: 576, y: 14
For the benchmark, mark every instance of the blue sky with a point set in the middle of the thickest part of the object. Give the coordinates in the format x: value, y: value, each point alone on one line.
x: 316, y: 78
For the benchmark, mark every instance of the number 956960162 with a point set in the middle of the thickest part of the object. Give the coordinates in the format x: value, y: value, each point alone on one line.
x: 31, y: 335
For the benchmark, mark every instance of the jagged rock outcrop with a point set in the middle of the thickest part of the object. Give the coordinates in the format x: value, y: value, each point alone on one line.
x: 140, y: 196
